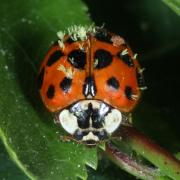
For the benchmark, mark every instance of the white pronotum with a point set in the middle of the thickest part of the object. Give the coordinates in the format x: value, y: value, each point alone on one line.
x: 107, y: 117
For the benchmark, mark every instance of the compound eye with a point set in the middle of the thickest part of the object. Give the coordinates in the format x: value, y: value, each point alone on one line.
x: 101, y: 134
x: 112, y: 121
x: 68, y: 121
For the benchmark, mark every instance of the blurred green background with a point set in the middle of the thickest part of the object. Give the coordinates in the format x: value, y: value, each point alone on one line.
x: 152, y: 29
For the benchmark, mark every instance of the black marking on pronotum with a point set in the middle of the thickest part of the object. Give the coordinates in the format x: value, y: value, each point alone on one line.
x: 140, y: 78
x: 83, y: 117
x: 55, y: 56
x: 65, y: 84
x: 103, y: 35
x: 77, y: 58
x: 40, y: 78
x: 89, y: 87
x: 50, y: 91
x: 103, y: 58
x: 97, y: 119
x: 126, y: 58
x: 128, y: 92
x: 113, y: 82
x: 90, y: 114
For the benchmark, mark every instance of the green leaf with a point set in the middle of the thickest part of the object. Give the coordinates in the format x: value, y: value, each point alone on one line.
x: 8, y: 169
x: 177, y: 155
x: 27, y: 130
x: 174, y: 5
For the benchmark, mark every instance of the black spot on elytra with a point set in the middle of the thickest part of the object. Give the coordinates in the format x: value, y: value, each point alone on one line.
x: 103, y: 35
x: 128, y: 92
x: 77, y: 58
x: 113, y: 82
x: 89, y: 87
x: 140, y: 78
x: 65, y: 84
x: 40, y: 78
x: 126, y: 59
x: 102, y: 58
x: 50, y: 91
x: 55, y: 56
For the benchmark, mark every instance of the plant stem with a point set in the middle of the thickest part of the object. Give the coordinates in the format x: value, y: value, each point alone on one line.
x: 167, y: 163
x: 130, y: 165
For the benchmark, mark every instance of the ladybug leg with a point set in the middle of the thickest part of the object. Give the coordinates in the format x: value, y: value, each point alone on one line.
x: 127, y: 121
x: 56, y: 119
x: 130, y: 119
x: 66, y: 138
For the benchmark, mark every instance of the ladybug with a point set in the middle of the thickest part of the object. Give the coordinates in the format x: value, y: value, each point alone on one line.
x: 91, y: 80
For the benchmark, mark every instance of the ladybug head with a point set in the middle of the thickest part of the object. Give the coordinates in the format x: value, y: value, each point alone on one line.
x: 90, y: 121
